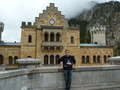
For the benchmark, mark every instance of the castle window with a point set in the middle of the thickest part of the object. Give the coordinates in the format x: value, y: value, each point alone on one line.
x: 72, y: 39
x: 52, y: 37
x: 98, y: 59
x: 105, y: 59
x: 1, y: 59
x: 83, y: 59
x: 10, y: 60
x: 87, y: 59
x: 51, y: 59
x: 29, y: 39
x: 29, y: 57
x: 46, y: 59
x: 15, y: 58
x: 109, y: 57
x: 57, y: 58
x: 94, y: 59
x: 46, y: 36
x: 57, y: 37
x: 96, y: 42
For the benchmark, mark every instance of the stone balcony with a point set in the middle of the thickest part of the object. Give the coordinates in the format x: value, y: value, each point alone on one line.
x: 50, y: 45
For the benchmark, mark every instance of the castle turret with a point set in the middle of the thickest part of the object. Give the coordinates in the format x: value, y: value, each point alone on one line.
x: 1, y: 29
x: 98, y: 34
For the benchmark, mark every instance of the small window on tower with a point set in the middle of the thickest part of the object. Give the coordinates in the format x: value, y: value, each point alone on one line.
x: 29, y: 39
x: 96, y: 43
x: 72, y: 39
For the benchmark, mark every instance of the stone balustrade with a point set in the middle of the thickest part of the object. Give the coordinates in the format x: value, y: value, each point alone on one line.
x: 49, y: 78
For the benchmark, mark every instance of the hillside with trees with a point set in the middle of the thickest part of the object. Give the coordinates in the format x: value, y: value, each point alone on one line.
x: 107, y: 14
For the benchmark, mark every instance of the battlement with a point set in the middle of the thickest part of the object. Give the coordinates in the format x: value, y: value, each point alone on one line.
x: 97, y: 28
x: 73, y: 27
x: 28, y: 24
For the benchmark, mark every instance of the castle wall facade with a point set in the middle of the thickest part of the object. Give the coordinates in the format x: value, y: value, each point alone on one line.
x: 48, y: 38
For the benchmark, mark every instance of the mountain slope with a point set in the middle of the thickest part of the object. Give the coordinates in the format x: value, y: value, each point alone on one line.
x: 107, y: 14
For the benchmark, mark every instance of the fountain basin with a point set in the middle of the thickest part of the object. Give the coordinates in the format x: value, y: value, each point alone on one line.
x: 114, y: 60
x: 28, y: 63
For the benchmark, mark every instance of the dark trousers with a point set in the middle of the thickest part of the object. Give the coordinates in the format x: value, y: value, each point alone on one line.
x: 68, y: 78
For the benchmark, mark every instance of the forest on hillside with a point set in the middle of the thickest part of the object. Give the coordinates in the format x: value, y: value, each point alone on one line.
x: 107, y: 14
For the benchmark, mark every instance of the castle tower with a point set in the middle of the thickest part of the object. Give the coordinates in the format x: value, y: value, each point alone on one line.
x: 1, y: 29
x: 98, y: 34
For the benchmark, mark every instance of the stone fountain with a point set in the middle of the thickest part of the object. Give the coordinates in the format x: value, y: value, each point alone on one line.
x: 29, y: 63
x: 114, y: 60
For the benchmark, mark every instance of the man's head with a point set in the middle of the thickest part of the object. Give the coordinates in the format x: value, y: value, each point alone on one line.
x: 67, y: 52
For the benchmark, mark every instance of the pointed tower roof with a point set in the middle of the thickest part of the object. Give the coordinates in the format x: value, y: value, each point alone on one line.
x: 97, y: 25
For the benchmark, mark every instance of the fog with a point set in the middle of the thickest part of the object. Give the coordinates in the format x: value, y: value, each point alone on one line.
x: 13, y: 12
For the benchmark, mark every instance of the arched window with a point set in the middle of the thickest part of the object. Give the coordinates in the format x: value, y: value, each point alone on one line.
x: 51, y: 59
x: 94, y: 59
x: 29, y: 39
x: 1, y: 59
x: 87, y: 59
x: 15, y: 58
x: 109, y: 56
x: 105, y: 59
x: 46, y: 59
x: 83, y: 59
x: 52, y: 37
x: 10, y: 60
x: 96, y: 42
x: 57, y: 37
x: 29, y: 57
x: 72, y: 39
x: 57, y: 58
x: 98, y: 59
x: 46, y: 36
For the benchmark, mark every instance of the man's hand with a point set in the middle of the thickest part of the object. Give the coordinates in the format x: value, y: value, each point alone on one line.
x: 74, y: 67
x: 59, y: 68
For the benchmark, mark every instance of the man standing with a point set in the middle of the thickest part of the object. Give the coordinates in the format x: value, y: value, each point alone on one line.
x: 68, y: 62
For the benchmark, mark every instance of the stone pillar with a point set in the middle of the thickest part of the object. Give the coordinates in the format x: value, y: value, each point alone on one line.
x: 54, y: 48
x: 48, y: 36
x: 54, y: 37
x: 91, y: 57
x: 43, y: 37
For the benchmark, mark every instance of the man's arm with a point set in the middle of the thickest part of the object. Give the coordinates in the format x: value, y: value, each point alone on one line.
x: 59, y: 65
x: 74, y: 61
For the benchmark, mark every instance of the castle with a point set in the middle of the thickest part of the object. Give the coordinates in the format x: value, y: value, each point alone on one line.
x: 48, y: 38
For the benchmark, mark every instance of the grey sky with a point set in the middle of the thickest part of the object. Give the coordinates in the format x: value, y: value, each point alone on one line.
x: 13, y: 12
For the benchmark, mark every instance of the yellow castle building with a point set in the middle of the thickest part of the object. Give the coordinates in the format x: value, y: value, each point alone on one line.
x: 48, y: 38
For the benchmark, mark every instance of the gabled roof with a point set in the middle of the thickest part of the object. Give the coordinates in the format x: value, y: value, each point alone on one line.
x: 94, y: 45
x: 10, y: 44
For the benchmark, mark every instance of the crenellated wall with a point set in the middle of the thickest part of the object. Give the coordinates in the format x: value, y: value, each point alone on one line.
x: 48, y: 78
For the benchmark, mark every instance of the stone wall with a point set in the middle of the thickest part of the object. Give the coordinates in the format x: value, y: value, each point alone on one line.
x: 48, y: 78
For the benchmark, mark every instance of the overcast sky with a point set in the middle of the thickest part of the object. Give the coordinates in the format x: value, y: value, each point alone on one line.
x: 13, y: 12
